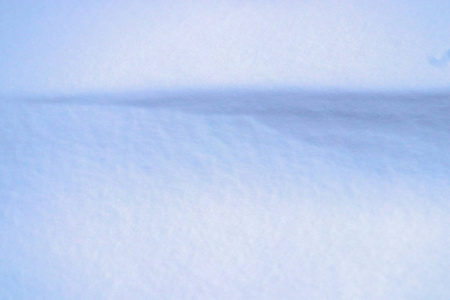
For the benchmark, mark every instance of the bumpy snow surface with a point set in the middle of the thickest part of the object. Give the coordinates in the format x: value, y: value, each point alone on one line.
x: 226, y: 195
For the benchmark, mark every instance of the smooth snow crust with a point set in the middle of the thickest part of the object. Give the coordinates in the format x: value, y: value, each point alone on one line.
x: 50, y: 47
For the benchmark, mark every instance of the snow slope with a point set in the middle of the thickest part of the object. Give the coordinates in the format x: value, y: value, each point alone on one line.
x: 226, y: 195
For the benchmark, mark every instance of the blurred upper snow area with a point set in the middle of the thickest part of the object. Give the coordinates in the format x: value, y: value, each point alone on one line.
x: 54, y: 47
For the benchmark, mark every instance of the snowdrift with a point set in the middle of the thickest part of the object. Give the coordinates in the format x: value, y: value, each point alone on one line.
x: 226, y: 195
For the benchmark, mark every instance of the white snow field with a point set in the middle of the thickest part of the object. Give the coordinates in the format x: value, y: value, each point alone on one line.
x: 51, y: 47
x: 250, y: 194
x: 278, y: 149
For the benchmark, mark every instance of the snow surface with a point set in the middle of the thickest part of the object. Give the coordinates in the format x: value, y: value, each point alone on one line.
x: 50, y: 47
x: 226, y: 195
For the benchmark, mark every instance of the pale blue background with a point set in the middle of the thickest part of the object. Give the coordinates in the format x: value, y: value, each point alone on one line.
x: 224, y: 150
x: 67, y: 47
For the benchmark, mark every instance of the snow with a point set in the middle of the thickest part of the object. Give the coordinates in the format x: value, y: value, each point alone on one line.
x: 225, y: 194
x: 224, y: 149
x: 52, y: 47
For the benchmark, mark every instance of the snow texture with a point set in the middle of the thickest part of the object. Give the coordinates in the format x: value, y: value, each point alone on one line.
x: 52, y: 47
x: 441, y: 62
x: 226, y: 195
